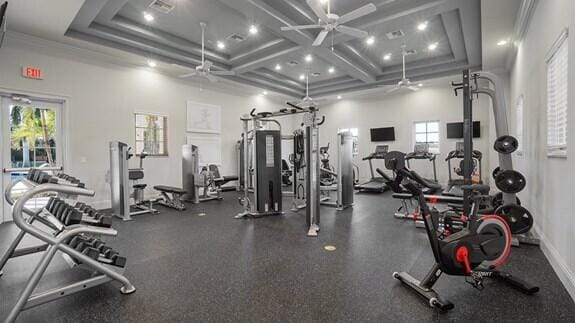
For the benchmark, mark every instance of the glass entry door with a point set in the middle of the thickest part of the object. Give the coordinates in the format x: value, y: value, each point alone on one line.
x: 31, y: 138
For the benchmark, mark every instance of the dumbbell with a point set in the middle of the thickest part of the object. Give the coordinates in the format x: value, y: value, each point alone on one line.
x: 106, y: 254
x: 85, y: 249
x: 31, y: 174
x: 43, y: 178
x: 100, y: 220
x: 50, y: 204
x: 114, y: 260
x: 71, y: 216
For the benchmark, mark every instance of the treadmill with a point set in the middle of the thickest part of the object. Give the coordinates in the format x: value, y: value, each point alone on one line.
x: 421, y: 152
x: 376, y: 184
x: 454, y: 184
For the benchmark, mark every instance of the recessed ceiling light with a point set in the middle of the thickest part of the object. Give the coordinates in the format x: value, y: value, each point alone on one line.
x: 152, y: 63
x: 387, y: 57
x: 502, y: 42
x: 331, y: 70
x: 308, y: 58
x: 148, y: 17
x: 253, y: 29
x: 221, y: 44
x: 420, y: 84
x: 422, y: 26
x: 432, y: 46
x: 370, y: 40
x: 265, y: 92
x: 339, y: 97
x: 278, y: 67
x: 302, y: 77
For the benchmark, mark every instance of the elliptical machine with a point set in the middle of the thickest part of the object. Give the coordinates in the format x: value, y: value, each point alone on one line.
x: 474, y: 252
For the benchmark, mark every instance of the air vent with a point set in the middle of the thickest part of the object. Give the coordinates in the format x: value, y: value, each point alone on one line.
x: 395, y: 34
x: 293, y: 63
x: 163, y: 6
x: 315, y: 74
x: 410, y: 52
x: 237, y: 38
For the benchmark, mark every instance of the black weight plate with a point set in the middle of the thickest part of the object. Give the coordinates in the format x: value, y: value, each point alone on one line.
x: 519, y: 218
x: 395, y: 160
x: 498, y: 200
x: 510, y: 181
x: 506, y: 144
x: 495, y: 172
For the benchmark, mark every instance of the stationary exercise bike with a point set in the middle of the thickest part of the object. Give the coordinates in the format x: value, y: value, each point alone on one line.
x: 327, y: 177
x: 473, y: 252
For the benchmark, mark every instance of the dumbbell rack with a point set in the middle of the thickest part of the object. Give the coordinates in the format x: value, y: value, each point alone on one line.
x: 72, y: 230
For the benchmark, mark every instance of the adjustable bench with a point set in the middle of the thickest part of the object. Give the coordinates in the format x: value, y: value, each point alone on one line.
x: 171, y: 196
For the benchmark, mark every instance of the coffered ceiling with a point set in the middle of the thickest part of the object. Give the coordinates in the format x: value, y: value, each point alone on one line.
x: 275, y: 59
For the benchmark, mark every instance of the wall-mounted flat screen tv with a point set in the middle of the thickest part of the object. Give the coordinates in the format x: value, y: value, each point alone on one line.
x: 455, y: 130
x: 382, y: 134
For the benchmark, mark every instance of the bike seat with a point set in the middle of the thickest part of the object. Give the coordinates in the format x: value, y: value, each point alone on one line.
x: 480, y: 188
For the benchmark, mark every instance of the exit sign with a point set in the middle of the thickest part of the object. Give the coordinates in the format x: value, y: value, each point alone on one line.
x: 32, y: 72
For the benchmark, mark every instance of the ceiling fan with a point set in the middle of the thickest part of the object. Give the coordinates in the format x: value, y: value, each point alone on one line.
x: 405, y: 83
x: 204, y: 70
x: 306, y: 101
x: 329, y: 21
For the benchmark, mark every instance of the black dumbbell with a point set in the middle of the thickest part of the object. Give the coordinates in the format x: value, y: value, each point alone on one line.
x: 73, y: 216
x: 31, y: 174
x: 116, y: 260
x: 91, y: 252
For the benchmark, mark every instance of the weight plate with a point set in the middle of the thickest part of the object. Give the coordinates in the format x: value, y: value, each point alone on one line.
x: 506, y: 144
x: 394, y: 160
x: 495, y: 172
x: 498, y: 200
x: 519, y: 218
x: 510, y: 181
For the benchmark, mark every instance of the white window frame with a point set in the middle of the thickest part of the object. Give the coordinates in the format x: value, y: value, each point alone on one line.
x: 557, y: 115
x: 434, y: 147
x: 165, y: 130
x: 519, y: 123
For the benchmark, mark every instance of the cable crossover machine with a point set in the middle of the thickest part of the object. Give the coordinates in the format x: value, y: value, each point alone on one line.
x: 266, y: 166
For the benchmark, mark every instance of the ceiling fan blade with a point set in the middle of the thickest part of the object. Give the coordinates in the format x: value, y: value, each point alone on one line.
x: 359, y: 12
x: 320, y: 37
x: 223, y: 73
x: 188, y: 75
x: 352, y: 31
x: 211, y: 78
x: 287, y: 28
x: 318, y: 10
x: 391, y: 90
x: 413, y: 88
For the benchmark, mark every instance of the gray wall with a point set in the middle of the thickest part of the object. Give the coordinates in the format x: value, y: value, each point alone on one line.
x: 550, y: 181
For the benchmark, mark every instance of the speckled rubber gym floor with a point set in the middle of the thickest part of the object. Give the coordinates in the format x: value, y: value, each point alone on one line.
x: 191, y: 267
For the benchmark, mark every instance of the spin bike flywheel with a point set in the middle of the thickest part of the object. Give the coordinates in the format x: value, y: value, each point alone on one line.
x: 496, y: 225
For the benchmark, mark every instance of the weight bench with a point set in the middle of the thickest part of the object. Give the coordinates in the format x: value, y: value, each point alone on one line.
x: 171, y: 197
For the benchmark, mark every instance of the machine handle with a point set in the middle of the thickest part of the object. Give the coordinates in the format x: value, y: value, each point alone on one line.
x: 322, y: 121
x: 294, y: 106
x: 252, y: 113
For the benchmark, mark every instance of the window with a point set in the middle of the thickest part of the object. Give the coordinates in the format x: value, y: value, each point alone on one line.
x: 519, y: 124
x: 151, y: 134
x: 427, y: 132
x: 557, y: 97
x: 355, y: 134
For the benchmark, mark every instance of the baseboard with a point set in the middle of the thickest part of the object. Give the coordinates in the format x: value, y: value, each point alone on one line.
x: 566, y: 276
